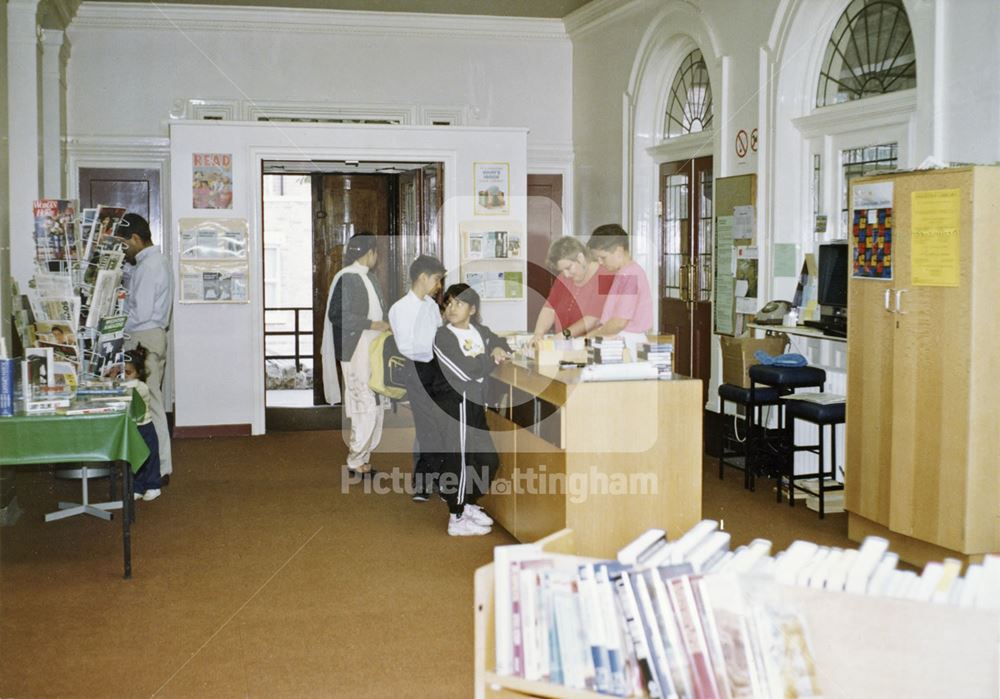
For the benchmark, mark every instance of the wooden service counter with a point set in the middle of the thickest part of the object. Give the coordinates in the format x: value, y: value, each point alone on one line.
x: 608, y: 459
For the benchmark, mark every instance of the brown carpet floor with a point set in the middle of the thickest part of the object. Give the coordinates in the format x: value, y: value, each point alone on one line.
x: 255, y: 575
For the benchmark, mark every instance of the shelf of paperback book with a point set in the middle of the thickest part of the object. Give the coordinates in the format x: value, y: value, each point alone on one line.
x: 816, y: 642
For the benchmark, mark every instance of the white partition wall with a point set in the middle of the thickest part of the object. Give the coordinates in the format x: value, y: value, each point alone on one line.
x: 219, y: 348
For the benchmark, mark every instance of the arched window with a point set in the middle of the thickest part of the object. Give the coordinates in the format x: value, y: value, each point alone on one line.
x: 689, y: 109
x: 870, y: 53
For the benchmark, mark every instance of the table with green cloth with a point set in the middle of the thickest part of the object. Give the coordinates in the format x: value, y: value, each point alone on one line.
x: 53, y: 438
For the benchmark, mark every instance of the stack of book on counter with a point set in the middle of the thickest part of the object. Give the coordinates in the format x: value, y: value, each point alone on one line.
x: 692, y: 618
x: 605, y: 350
x: 660, y: 355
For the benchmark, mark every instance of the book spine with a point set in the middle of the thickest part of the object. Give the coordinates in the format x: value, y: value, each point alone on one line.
x: 7, y: 387
x: 630, y: 608
x: 693, y: 638
x: 517, y: 639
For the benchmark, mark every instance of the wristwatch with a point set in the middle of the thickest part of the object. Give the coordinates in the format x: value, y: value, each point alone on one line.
x: 567, y: 334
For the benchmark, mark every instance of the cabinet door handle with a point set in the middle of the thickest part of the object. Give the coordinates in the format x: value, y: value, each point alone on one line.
x: 886, y: 300
x: 899, y: 295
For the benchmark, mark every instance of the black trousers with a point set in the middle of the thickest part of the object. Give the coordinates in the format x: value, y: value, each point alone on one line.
x: 428, y: 422
x: 470, y: 461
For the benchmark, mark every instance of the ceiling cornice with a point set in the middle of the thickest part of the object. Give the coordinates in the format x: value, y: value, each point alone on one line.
x: 595, y: 13
x: 101, y: 15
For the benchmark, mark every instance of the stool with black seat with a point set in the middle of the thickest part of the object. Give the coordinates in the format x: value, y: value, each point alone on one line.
x: 821, y: 415
x: 786, y: 380
x: 752, y: 406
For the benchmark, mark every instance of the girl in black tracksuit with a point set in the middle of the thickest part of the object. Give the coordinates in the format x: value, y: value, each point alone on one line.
x: 467, y: 352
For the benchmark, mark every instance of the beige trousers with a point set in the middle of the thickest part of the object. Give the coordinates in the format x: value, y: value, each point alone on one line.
x: 366, y: 412
x: 155, y: 342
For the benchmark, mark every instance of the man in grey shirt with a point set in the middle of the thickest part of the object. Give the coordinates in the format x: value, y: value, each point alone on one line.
x: 149, y: 304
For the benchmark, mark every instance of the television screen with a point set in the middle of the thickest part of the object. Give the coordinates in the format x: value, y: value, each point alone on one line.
x: 833, y: 274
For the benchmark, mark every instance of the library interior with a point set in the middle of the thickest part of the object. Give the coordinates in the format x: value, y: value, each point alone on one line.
x: 538, y: 348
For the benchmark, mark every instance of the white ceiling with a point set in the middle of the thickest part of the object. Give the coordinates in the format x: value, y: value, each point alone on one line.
x: 504, y: 8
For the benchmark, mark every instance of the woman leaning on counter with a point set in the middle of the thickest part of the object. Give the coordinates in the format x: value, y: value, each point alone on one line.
x: 576, y: 300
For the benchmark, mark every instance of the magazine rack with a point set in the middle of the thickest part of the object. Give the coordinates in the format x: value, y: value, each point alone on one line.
x: 864, y: 646
x: 78, y: 269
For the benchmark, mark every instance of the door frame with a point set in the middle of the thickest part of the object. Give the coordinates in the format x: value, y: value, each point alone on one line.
x: 257, y: 155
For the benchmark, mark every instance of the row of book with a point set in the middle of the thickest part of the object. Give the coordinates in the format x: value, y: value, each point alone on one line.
x: 605, y: 350
x: 660, y: 355
x: 692, y: 618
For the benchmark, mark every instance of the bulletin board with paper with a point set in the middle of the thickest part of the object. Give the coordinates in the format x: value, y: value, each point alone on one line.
x: 736, y: 254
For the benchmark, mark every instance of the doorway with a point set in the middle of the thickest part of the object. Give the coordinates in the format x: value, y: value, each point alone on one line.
x: 545, y: 224
x: 686, y: 264
x: 306, y: 226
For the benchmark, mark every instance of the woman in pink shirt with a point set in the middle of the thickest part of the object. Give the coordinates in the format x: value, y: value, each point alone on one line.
x: 576, y: 300
x: 628, y: 311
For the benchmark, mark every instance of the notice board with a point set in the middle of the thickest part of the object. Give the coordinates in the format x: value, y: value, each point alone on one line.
x: 735, y: 252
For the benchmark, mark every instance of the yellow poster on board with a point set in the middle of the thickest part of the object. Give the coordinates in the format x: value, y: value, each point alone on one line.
x: 935, y: 258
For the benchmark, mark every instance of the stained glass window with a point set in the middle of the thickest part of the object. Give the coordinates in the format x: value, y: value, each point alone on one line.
x: 870, y: 53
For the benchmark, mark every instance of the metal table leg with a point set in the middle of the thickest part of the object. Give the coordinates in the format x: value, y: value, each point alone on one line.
x: 128, y: 515
x: 97, y: 509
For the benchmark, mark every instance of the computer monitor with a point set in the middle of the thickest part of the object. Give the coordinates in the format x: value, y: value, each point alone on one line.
x: 832, y: 292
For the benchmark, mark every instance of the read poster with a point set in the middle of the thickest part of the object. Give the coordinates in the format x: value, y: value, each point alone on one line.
x: 212, y: 181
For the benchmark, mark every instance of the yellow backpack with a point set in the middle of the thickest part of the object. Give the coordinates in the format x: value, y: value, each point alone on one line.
x: 388, y: 367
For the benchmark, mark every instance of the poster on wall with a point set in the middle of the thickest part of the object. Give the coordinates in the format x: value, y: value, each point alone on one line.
x: 871, y: 231
x: 212, y: 181
x: 935, y: 244
x: 214, y: 261
x: 746, y: 258
x: 495, y: 285
x: 490, y: 245
x: 492, y: 187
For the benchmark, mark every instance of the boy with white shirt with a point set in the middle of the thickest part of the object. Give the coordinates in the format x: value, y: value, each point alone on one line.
x: 415, y: 319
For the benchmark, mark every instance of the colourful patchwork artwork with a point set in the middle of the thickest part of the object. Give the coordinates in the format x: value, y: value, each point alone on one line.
x: 872, y: 234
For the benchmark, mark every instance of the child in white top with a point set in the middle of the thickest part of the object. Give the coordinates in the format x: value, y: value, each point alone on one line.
x: 147, y: 481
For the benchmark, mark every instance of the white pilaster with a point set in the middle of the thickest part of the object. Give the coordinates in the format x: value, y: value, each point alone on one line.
x: 22, y: 127
x: 53, y: 88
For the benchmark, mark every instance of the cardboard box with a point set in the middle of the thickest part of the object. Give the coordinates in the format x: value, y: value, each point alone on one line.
x: 737, y: 355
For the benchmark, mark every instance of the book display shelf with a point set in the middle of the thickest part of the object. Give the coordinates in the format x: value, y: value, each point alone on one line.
x: 862, y: 646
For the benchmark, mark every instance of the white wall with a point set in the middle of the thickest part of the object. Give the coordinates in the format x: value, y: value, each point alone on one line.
x: 218, y: 348
x: 131, y: 61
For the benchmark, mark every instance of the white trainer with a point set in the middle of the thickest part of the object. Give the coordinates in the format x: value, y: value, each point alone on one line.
x: 151, y: 494
x: 478, y: 515
x: 464, y: 526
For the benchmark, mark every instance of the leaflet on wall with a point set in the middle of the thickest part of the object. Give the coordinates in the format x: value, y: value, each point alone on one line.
x: 724, y: 281
x: 214, y: 262
x: 213, y: 239
x: 492, y: 183
x: 214, y: 281
x: 743, y: 222
x: 494, y: 285
x: 490, y: 245
x: 212, y: 181
x: 746, y: 278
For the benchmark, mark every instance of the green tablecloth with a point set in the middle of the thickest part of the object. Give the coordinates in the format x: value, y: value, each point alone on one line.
x: 45, y: 439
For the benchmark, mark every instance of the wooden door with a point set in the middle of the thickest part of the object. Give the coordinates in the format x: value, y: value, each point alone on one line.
x: 344, y: 205
x: 870, y: 379
x: 544, y: 225
x: 931, y: 379
x: 135, y: 189
x: 686, y: 245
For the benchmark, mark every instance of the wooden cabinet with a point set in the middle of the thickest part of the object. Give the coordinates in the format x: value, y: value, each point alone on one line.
x: 922, y: 409
x: 609, y: 459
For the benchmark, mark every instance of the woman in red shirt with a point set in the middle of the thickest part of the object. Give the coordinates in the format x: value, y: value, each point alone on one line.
x: 577, y: 296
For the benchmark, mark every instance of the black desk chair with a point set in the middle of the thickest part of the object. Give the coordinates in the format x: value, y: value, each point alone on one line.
x: 730, y: 445
x: 821, y: 415
x: 785, y: 380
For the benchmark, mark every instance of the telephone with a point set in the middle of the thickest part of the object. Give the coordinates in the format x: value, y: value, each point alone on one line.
x: 773, y: 313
